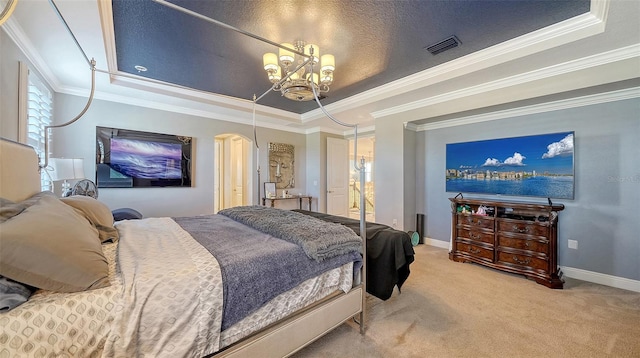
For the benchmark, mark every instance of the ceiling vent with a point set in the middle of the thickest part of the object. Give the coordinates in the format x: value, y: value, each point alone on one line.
x: 444, y: 45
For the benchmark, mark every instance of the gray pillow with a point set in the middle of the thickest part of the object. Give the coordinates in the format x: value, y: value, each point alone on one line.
x: 50, y: 246
x: 97, y: 213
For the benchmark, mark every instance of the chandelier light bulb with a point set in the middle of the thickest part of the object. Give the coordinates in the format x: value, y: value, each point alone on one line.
x: 270, y: 61
x: 275, y: 76
x: 328, y: 63
x: 286, y: 57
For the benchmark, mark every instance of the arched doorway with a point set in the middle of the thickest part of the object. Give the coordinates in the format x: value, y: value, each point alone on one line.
x: 233, y: 177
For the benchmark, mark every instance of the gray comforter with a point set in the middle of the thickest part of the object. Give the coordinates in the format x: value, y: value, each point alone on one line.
x: 255, y: 266
x: 319, y: 239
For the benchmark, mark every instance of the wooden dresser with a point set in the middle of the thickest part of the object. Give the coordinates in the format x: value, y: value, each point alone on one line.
x: 516, y: 237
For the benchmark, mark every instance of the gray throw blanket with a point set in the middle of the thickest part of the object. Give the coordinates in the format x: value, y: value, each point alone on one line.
x: 13, y: 294
x: 319, y: 240
x: 255, y: 266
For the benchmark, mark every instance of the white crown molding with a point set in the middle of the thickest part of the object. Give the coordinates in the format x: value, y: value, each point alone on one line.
x: 411, y: 126
x: 237, y: 117
x: 108, y: 37
x: 570, y: 30
x: 602, y: 279
x: 17, y: 35
x: 612, y: 56
x: 582, y: 101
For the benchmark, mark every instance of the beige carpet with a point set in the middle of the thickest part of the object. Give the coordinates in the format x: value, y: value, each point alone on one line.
x: 450, y: 309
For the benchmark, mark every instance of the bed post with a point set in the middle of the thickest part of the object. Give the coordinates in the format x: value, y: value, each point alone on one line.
x: 363, y: 235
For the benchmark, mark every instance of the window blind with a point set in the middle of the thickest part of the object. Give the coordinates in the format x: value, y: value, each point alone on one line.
x: 39, y: 115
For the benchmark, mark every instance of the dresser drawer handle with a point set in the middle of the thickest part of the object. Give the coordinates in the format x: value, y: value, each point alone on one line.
x: 474, y: 236
x: 521, y: 262
x: 473, y: 251
x: 520, y: 230
x: 526, y: 244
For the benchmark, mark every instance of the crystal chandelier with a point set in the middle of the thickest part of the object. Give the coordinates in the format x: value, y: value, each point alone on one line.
x: 297, y: 86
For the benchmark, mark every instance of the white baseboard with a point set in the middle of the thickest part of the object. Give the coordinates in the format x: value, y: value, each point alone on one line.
x: 437, y: 243
x: 579, y: 274
x: 602, y: 279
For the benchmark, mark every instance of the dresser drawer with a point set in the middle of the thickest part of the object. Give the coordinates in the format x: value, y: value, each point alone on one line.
x: 475, y: 235
x: 523, y: 244
x: 477, y: 221
x: 474, y: 250
x: 523, y: 262
x: 523, y: 227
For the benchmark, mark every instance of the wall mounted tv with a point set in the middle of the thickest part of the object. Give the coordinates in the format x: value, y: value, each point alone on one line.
x: 134, y: 159
x: 537, y: 165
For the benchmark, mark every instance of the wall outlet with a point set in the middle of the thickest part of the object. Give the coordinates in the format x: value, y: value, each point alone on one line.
x: 573, y: 244
x: 394, y: 223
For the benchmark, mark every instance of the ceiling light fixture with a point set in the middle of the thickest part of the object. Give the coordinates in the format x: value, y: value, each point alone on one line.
x: 297, y: 85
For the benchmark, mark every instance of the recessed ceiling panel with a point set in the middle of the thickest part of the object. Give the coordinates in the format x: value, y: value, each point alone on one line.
x: 374, y: 42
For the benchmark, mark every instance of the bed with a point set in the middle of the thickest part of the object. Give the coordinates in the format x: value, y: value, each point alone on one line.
x: 152, y: 287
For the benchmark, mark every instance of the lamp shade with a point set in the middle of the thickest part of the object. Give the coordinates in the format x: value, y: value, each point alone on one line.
x: 328, y: 62
x: 270, y: 61
x: 66, y: 168
x: 286, y: 56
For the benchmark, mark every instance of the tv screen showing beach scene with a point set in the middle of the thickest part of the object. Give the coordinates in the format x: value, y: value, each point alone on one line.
x: 538, y: 166
x: 129, y: 159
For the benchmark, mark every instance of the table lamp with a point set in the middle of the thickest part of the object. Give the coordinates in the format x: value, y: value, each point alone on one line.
x: 66, y: 169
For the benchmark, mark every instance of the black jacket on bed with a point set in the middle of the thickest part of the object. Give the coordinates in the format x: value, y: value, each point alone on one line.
x: 389, y: 254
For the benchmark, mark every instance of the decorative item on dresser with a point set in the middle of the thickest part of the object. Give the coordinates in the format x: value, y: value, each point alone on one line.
x: 516, y: 237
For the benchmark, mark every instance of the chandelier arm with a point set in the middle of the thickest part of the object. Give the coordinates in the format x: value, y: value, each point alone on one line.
x: 227, y: 26
x: 91, y: 63
x: 354, y: 126
x: 84, y: 110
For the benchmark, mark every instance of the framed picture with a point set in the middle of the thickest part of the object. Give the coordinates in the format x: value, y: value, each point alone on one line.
x: 269, y: 190
x: 281, y: 162
x: 537, y: 165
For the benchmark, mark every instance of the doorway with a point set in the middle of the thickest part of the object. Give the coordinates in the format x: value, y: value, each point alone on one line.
x: 232, y: 175
x: 365, y: 150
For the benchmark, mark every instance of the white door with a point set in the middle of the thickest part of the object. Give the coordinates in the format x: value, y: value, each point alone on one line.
x: 337, y: 177
x: 237, y: 170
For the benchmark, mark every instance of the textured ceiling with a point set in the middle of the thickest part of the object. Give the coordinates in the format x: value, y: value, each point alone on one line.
x: 374, y: 42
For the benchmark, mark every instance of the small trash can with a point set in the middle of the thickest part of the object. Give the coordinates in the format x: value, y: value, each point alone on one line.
x: 420, y: 227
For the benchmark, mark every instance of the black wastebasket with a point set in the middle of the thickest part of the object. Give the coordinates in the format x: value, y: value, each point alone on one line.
x: 420, y: 227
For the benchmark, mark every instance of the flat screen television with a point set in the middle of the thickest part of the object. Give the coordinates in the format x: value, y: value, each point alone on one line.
x: 135, y: 159
x: 537, y: 165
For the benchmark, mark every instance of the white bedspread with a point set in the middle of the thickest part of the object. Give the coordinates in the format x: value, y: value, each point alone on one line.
x: 56, y: 324
x: 159, y: 302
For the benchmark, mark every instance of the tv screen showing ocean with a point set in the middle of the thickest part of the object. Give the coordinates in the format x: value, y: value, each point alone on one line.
x: 145, y: 159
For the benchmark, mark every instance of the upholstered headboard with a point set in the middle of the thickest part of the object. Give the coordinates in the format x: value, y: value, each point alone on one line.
x: 19, y: 175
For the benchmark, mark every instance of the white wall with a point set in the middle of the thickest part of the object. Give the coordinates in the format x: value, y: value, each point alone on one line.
x: 78, y: 140
x: 603, y: 217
